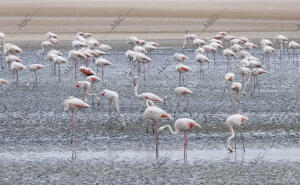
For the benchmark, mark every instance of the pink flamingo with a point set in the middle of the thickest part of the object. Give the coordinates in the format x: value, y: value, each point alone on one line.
x: 182, y: 91
x: 34, y: 68
x: 155, y: 113
x: 235, y: 120
x: 59, y: 60
x: 228, y: 53
x: 179, y: 57
x: 145, y: 96
x: 180, y: 68
x: 102, y: 62
x: 72, y: 103
x: 201, y: 59
x: 183, y: 124
x: 17, y: 66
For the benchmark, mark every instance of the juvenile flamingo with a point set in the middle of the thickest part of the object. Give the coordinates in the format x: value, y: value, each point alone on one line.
x: 183, y: 124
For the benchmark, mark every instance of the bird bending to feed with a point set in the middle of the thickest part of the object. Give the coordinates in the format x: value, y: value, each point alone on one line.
x: 235, y: 121
x: 155, y: 113
x: 183, y: 124
x: 113, y: 96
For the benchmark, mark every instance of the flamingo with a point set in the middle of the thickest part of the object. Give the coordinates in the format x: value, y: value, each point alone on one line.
x: 140, y: 49
x: 155, y: 113
x: 201, y: 59
x: 141, y: 58
x: 45, y: 45
x: 216, y: 46
x: 149, y: 47
x: 86, y: 86
x: 182, y: 91
x: 104, y: 47
x: 267, y: 51
x: 198, y: 42
x: 2, y: 82
x: 50, y: 34
x: 75, y: 55
x: 281, y: 39
x: 243, y: 71
x: 11, y: 49
x: 294, y: 45
x: 59, y: 60
x: 256, y: 72
x: 235, y: 120
x: 17, y: 66
x: 183, y: 124
x: 145, y: 96
x: 113, y: 97
x: 102, y: 62
x: 86, y: 71
x: 188, y: 37
x: 72, y: 103
x: 132, y: 40
x: 237, y: 87
x: 228, y: 53
x: 34, y: 68
x: 180, y: 68
x: 179, y: 57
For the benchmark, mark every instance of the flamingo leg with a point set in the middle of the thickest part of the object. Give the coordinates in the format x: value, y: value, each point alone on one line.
x: 185, y: 147
x: 59, y: 79
x: 102, y: 73
x: 187, y: 105
x: 73, y: 121
x: 157, y: 139
x: 35, y: 76
x: 144, y: 72
x: 214, y: 60
x: 17, y: 76
x: 242, y: 138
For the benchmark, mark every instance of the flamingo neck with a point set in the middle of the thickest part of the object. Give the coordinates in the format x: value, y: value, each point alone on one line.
x: 136, y: 87
x: 231, y: 137
x: 170, y: 128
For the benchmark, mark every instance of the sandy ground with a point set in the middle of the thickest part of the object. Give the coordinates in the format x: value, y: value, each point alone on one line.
x: 148, y: 19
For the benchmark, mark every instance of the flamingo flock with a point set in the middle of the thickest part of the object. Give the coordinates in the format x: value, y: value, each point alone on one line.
x: 88, y: 53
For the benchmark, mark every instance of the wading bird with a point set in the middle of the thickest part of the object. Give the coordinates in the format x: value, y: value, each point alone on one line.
x: 183, y: 124
x: 34, y: 68
x: 155, y: 113
x: 113, y: 97
x: 234, y: 122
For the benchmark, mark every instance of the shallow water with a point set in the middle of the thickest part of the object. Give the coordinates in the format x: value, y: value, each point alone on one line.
x: 271, y: 155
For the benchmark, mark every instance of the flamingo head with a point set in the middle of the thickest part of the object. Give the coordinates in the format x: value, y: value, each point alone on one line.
x: 243, y: 119
x: 77, y: 84
x: 103, y: 93
x: 135, y: 79
x: 166, y: 116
